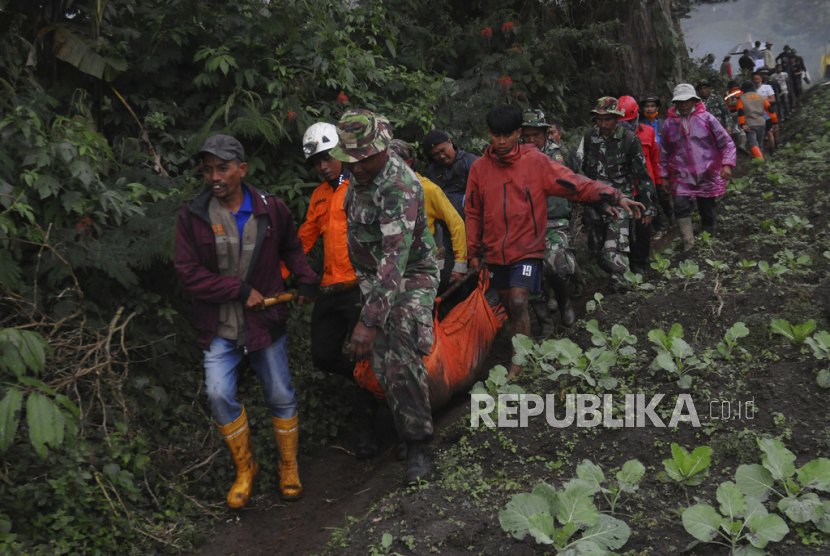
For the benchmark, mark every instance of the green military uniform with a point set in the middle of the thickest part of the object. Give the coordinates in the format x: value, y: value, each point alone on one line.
x: 393, y: 255
x: 619, y: 162
x: 716, y: 106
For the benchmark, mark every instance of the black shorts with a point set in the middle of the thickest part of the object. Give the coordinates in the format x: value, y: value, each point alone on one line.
x: 768, y: 125
x: 525, y: 274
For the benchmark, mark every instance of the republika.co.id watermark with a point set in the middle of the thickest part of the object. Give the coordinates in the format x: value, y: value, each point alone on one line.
x: 590, y: 410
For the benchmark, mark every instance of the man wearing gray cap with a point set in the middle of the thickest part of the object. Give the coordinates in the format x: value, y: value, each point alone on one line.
x: 229, y: 244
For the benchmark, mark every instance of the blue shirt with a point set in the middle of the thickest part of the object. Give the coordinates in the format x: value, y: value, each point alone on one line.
x: 243, y: 214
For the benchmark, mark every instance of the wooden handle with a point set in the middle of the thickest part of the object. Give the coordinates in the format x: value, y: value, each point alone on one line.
x: 281, y: 298
x: 457, y: 285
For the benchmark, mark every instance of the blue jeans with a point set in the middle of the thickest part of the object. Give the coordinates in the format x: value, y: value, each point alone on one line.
x: 271, y: 365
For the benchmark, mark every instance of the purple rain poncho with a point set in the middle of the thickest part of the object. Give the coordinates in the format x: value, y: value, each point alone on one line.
x: 693, y: 150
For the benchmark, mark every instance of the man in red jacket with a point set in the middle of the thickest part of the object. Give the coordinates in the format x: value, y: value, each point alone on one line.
x: 229, y: 244
x: 508, y: 188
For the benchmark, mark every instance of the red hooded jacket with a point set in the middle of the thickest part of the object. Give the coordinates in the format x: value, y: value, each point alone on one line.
x: 506, y: 202
x: 198, y: 269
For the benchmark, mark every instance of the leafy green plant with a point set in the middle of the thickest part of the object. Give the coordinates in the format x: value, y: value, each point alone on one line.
x: 778, y: 231
x: 48, y: 414
x: 685, y: 468
x: 531, y: 355
x: 688, y: 271
x: 674, y: 355
x: 596, y: 362
x: 553, y: 517
x: 746, y: 265
x: 718, y: 266
x: 635, y: 281
x: 796, y: 223
x: 771, y: 272
x: 778, y: 468
x: 496, y: 384
x: 740, y: 519
x: 820, y: 343
x: 730, y: 340
x: 708, y: 240
x: 595, y: 304
x: 661, y: 264
x: 384, y: 548
x: 766, y: 224
x: 619, y: 341
x: 767, y: 196
x: 788, y: 258
x: 628, y: 480
x: 796, y: 334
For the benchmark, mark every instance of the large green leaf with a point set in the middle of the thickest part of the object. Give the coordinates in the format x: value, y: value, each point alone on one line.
x: 815, y: 474
x: 781, y: 326
x: 609, y: 532
x: 569, y: 353
x: 630, y: 476
x: 9, y: 417
x: 591, y: 474
x: 748, y: 550
x: 702, y: 522
x: 777, y: 458
x: 584, y: 548
x: 576, y: 505
x: 803, y: 508
x: 823, y: 523
x: 515, y: 518
x: 46, y: 423
x: 549, y: 495
x: 523, y: 348
x: 732, y: 502
x: 754, y: 480
x: 763, y: 529
x: 74, y: 49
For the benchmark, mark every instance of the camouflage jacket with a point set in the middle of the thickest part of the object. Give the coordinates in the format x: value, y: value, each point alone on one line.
x: 558, y: 208
x: 619, y: 162
x: 717, y: 107
x: 390, y: 246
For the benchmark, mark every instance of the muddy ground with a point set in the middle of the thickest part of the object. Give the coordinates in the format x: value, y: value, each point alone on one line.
x: 349, y: 505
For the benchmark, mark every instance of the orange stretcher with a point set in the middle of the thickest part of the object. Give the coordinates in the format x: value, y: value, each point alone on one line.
x: 461, y: 344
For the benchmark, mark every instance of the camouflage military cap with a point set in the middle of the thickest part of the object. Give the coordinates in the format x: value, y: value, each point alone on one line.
x: 608, y: 105
x: 534, y: 118
x: 362, y: 134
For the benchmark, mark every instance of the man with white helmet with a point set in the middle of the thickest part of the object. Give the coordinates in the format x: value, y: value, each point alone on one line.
x: 335, y: 314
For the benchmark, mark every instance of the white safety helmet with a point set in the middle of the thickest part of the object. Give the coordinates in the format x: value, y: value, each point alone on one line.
x: 319, y: 138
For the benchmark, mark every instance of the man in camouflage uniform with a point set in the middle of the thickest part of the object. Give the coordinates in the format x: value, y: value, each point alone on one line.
x: 560, y: 262
x: 614, y: 156
x: 715, y: 105
x: 393, y: 255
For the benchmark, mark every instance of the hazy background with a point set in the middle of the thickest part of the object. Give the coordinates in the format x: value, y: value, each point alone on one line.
x: 718, y: 27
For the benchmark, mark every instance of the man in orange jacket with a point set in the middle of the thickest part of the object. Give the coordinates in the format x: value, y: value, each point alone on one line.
x: 335, y: 314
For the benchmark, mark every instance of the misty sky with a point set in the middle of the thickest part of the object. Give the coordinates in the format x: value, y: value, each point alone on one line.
x: 802, y: 24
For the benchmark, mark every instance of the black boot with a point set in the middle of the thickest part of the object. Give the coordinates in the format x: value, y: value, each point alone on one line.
x: 540, y: 309
x: 417, y: 461
x: 560, y: 290
x: 367, y: 445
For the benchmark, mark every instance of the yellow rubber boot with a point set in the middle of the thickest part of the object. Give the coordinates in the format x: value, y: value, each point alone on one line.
x: 288, y: 432
x: 238, y: 437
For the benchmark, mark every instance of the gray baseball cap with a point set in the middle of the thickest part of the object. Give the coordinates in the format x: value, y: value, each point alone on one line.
x: 224, y: 147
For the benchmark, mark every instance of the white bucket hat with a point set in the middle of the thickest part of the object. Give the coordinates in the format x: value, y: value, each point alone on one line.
x: 684, y: 91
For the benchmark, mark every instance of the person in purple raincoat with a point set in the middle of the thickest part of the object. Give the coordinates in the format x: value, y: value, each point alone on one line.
x: 697, y: 155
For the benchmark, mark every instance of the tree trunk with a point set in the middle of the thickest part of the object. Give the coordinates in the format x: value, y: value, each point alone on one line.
x: 653, y: 65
